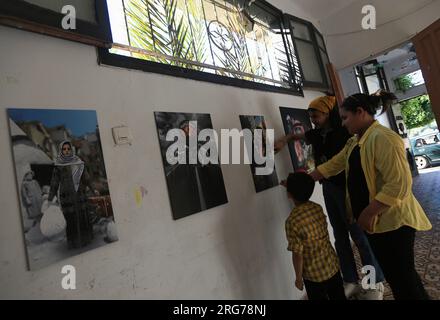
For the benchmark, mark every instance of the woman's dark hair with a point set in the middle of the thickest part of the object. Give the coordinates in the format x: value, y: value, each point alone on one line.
x: 370, y: 103
x: 335, y: 118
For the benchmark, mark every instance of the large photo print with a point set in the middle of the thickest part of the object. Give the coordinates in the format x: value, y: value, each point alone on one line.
x: 261, y: 182
x: 297, y: 121
x: 195, y: 187
x: 62, y: 183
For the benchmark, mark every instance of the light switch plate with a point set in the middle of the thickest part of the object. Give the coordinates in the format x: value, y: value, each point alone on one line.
x: 122, y: 135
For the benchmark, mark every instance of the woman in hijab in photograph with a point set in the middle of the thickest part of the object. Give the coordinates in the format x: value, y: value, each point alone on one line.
x: 72, y: 180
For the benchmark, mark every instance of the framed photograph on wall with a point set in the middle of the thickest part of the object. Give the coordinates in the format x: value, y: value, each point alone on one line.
x: 298, y: 121
x: 261, y: 182
x: 192, y: 187
x: 62, y: 184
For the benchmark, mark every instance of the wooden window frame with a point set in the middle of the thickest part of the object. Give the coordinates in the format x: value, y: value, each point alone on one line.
x: 321, y: 86
x: 30, y: 17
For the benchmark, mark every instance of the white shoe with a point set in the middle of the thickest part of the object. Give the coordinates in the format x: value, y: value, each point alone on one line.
x: 372, y: 294
x: 351, y: 289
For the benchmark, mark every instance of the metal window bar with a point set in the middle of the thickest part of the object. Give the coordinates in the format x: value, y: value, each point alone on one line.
x: 126, y: 23
x: 255, y: 69
x: 245, y: 45
x: 268, y: 55
x: 294, y: 62
x: 206, y: 26
x: 199, y: 64
x: 295, y: 74
x: 234, y: 33
x: 191, y: 28
x: 259, y: 62
x: 151, y: 26
x: 215, y: 4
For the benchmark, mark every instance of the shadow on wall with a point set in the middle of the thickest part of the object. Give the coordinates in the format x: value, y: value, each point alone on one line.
x: 256, y: 261
x: 254, y: 248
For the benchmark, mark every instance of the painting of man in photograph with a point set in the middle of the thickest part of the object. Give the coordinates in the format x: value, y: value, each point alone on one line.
x: 261, y: 182
x: 62, y: 183
x: 192, y: 187
x: 297, y: 121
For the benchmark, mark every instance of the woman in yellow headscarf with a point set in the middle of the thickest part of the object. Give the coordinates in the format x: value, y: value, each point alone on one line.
x: 328, y: 138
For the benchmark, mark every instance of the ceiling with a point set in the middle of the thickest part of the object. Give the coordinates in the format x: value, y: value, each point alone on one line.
x: 321, y: 9
x: 406, y: 50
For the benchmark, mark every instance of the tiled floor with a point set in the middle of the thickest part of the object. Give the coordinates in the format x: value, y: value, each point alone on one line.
x: 426, y: 188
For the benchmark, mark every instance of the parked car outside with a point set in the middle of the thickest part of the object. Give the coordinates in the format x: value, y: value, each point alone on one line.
x: 426, y: 150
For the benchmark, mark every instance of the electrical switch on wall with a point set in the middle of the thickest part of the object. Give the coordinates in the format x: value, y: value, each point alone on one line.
x: 122, y: 135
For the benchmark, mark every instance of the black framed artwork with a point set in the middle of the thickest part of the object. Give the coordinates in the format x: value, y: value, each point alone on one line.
x: 261, y: 182
x: 297, y: 121
x: 192, y: 187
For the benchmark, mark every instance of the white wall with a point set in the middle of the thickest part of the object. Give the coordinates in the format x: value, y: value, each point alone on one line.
x: 397, y: 21
x: 295, y: 8
x: 235, y: 251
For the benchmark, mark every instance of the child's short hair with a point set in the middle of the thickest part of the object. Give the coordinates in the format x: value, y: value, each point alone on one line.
x: 300, y: 185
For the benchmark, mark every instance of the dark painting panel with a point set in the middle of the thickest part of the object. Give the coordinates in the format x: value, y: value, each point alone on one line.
x: 192, y: 188
x: 298, y: 121
x: 261, y: 182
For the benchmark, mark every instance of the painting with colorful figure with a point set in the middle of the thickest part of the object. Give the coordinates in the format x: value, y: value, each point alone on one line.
x: 297, y: 121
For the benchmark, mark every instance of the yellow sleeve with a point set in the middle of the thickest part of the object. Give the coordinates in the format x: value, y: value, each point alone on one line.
x: 336, y: 164
x: 391, y: 163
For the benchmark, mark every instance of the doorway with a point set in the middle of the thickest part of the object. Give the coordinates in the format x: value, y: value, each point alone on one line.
x: 412, y: 117
x: 415, y: 117
x: 419, y: 126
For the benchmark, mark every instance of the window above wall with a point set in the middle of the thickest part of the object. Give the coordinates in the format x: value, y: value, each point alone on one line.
x: 312, y: 53
x: 230, y: 42
x: 44, y: 16
x: 243, y: 43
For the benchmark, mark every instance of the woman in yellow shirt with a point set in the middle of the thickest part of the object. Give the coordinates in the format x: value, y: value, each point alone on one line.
x: 379, y: 196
